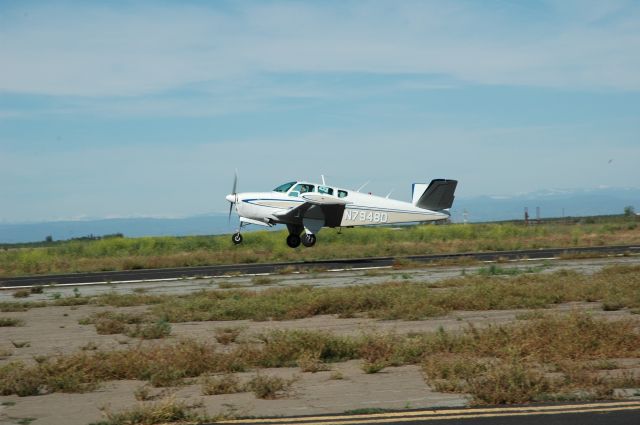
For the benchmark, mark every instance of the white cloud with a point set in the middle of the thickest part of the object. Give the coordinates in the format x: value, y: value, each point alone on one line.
x: 87, y: 49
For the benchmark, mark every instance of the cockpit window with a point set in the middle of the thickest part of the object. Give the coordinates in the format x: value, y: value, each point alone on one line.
x: 303, y: 188
x: 284, y: 187
x: 325, y: 190
x: 342, y: 194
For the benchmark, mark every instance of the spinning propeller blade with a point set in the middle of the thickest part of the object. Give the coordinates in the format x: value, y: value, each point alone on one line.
x: 234, y: 194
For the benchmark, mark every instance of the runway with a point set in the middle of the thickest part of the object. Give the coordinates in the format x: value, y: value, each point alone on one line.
x: 128, y: 276
x: 610, y: 413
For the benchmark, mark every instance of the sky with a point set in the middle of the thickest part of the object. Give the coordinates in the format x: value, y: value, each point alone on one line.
x: 147, y: 108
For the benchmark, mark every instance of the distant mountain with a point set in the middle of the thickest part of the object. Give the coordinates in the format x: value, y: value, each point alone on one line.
x: 131, y: 227
x: 552, y: 203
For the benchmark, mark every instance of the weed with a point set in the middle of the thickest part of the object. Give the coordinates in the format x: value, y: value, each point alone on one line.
x: 10, y: 321
x: 310, y: 362
x: 89, y: 346
x: 226, y: 336
x: 367, y: 411
x: 269, y: 387
x: 5, y: 353
x: 156, y: 330
x: 225, y: 384
x: 376, y: 352
x: 40, y: 358
x: 229, y: 285
x: 530, y: 315
x: 143, y: 393
x: 612, y: 305
x: 161, y: 412
x: 36, y: 289
x: 336, y: 375
x: 22, y: 344
x: 106, y: 326
x: 8, y: 403
x: 169, y: 376
x: 262, y: 280
x: 21, y: 293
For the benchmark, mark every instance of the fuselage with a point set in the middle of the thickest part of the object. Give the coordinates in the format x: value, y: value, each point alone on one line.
x: 360, y: 209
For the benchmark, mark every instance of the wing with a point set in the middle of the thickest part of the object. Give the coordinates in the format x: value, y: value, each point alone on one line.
x: 317, y: 207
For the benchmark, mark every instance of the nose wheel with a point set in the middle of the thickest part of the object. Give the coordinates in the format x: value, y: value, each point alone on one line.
x: 309, y: 240
x: 293, y: 241
x: 236, y: 238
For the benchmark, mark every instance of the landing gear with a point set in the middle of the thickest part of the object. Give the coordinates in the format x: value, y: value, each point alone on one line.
x: 236, y: 238
x: 309, y: 240
x: 293, y: 240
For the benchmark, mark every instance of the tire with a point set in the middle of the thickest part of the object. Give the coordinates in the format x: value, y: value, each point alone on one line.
x: 293, y: 241
x: 236, y: 238
x: 309, y: 240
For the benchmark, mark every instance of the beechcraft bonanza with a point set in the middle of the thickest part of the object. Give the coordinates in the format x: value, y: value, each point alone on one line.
x: 304, y: 206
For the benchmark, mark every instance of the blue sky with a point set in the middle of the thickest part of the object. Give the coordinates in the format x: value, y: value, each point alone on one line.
x: 120, y: 108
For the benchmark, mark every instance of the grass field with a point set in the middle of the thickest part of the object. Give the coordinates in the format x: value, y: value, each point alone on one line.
x: 156, y: 252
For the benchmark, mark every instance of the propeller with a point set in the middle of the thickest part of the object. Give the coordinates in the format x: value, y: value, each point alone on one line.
x: 233, y: 197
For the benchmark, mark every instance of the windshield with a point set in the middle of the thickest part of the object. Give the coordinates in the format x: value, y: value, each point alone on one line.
x: 284, y: 187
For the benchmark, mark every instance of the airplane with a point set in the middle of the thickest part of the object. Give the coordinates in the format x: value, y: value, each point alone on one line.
x: 306, y: 206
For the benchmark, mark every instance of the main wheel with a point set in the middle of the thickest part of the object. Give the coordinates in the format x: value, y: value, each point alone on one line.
x: 309, y: 240
x: 293, y: 240
x: 236, y: 238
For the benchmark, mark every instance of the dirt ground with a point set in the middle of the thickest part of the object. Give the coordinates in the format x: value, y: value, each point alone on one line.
x: 55, y: 330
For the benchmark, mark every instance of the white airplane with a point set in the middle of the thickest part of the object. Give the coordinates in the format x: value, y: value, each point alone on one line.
x: 307, y: 206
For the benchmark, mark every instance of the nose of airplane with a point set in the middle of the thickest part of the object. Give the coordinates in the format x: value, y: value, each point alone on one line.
x: 231, y: 198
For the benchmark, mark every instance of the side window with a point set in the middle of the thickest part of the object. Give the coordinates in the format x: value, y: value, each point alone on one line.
x: 342, y: 193
x: 301, y: 188
x: 325, y: 190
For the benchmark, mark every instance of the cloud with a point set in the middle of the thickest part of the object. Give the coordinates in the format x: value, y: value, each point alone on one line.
x: 89, y: 49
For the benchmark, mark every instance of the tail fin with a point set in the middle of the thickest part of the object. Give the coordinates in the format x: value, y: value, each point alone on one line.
x: 438, y: 195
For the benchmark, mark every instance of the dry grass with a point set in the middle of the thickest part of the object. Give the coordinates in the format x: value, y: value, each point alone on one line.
x: 546, y: 358
x: 162, y: 412
x: 269, y: 387
x: 224, y: 384
x: 510, y: 364
x: 310, y: 361
x: 227, y: 335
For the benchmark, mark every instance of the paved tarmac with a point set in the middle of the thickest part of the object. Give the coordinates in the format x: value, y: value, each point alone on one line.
x: 609, y: 413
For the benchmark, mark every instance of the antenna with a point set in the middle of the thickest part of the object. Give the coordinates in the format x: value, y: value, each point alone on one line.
x: 362, y: 187
x: 389, y: 194
x: 323, y: 183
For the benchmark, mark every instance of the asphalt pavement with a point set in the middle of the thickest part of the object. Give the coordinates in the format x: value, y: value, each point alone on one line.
x: 603, y: 413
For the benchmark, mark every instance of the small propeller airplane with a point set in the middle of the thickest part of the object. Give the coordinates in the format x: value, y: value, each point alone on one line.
x: 305, y: 206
